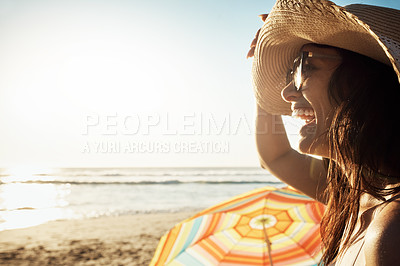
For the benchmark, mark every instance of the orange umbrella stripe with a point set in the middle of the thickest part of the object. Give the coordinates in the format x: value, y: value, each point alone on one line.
x: 281, y: 200
x: 311, y: 249
x: 207, y: 258
x: 211, y: 248
x: 294, y: 250
x: 212, y: 224
x: 169, y: 243
x: 316, y: 211
x: 290, y: 258
x: 295, y: 253
x: 313, y: 242
x: 245, y: 259
x: 249, y: 253
x: 311, y: 213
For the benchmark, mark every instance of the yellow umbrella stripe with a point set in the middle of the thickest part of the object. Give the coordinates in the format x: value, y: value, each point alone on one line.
x: 297, y: 230
x: 309, y: 246
x: 281, y: 238
x: 294, y: 247
x: 228, y: 238
x: 251, y: 208
x: 300, y: 214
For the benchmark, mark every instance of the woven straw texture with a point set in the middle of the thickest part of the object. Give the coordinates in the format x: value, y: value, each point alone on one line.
x: 368, y: 30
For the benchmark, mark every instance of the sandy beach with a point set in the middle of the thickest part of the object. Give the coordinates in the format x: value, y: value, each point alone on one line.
x: 162, y: 196
x: 123, y: 240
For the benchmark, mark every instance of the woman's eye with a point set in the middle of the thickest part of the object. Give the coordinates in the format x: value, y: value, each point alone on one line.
x: 307, y: 70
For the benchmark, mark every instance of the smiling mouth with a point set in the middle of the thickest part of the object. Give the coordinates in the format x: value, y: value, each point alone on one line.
x: 306, y: 114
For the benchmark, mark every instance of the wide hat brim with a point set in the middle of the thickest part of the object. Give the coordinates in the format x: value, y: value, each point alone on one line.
x: 368, y: 30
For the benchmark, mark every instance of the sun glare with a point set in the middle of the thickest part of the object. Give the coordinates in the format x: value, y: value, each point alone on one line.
x: 27, y: 199
x: 24, y: 173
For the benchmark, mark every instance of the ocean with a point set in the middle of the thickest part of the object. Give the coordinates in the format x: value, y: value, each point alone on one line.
x: 35, y: 197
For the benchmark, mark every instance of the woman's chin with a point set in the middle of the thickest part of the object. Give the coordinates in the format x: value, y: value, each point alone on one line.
x: 312, y: 149
x: 309, y: 143
x: 309, y: 129
x: 307, y: 137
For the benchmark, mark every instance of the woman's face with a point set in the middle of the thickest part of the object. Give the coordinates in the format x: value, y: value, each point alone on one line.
x: 312, y: 102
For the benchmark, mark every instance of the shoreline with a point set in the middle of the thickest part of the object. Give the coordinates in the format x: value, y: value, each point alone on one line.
x: 119, y: 240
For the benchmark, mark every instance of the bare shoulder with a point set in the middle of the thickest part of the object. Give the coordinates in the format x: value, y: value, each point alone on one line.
x: 382, y: 239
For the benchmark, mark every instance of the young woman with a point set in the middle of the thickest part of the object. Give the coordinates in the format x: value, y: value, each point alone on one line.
x: 338, y: 70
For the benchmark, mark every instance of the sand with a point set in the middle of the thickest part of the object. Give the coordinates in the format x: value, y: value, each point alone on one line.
x: 124, y: 240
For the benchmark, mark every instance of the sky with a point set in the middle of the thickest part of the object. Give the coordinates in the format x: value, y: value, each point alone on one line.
x: 155, y: 83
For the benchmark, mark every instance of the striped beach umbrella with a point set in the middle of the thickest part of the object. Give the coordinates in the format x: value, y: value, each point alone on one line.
x: 266, y: 226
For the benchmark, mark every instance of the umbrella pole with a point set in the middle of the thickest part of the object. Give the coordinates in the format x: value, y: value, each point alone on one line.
x: 268, y: 245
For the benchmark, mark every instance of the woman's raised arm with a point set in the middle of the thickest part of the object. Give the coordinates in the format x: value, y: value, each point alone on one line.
x: 305, y: 173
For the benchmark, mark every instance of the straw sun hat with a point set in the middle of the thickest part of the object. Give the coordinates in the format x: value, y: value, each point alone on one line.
x: 369, y: 30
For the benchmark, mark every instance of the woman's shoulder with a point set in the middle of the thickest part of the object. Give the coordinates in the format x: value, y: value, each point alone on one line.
x: 382, y: 239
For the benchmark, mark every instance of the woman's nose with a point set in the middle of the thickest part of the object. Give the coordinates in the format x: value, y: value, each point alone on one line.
x: 289, y: 93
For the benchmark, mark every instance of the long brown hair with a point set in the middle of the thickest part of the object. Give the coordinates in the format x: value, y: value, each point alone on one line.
x: 364, y: 145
